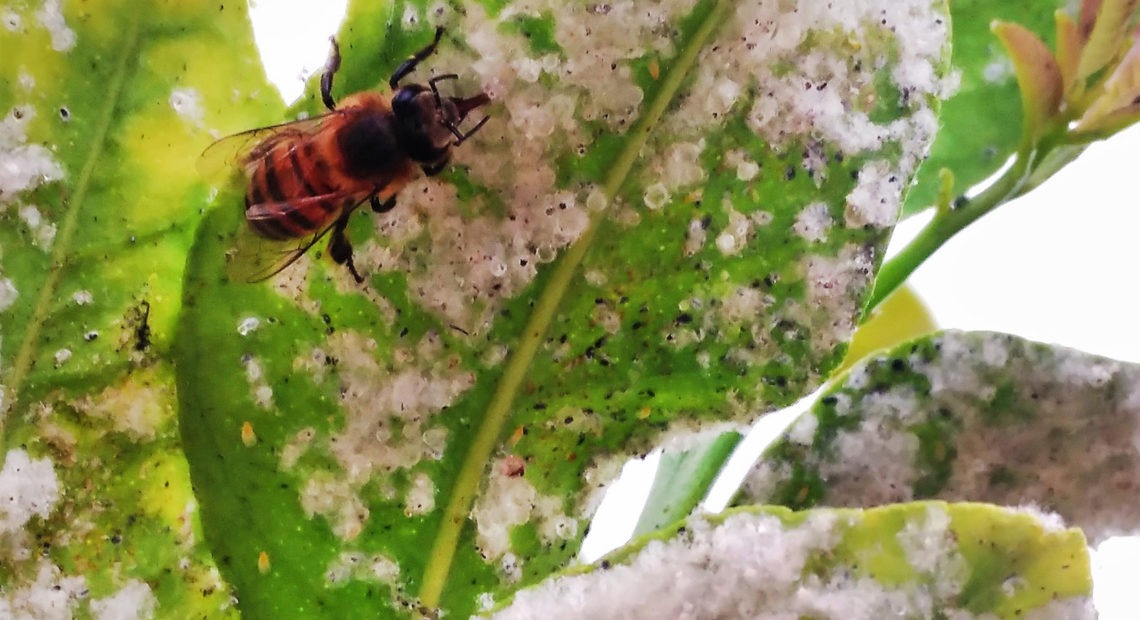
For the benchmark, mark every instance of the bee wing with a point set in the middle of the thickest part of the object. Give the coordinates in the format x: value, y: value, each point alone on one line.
x: 256, y: 258
x: 240, y: 149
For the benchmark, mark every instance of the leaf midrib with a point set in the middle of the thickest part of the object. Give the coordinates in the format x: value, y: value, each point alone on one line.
x: 74, y: 203
x: 462, y: 497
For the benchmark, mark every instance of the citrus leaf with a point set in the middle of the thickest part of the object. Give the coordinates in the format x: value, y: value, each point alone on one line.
x: 659, y: 228
x: 981, y: 121
x: 919, y: 560
x: 969, y: 417
x: 1038, y: 76
x: 683, y: 477
x: 1107, y: 39
x: 105, y: 106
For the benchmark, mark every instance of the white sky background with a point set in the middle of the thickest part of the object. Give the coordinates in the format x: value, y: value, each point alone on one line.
x: 1058, y: 266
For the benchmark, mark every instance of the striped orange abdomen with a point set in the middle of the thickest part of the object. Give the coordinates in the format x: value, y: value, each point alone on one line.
x: 287, y: 182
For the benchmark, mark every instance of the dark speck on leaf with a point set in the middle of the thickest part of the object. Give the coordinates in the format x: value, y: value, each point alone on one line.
x: 142, y: 326
x: 789, y: 173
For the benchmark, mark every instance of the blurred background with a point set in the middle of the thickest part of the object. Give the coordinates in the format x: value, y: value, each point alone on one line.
x: 1061, y: 265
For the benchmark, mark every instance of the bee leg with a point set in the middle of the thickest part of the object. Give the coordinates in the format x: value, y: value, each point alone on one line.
x: 382, y: 207
x: 409, y: 65
x: 340, y: 249
x: 331, y: 67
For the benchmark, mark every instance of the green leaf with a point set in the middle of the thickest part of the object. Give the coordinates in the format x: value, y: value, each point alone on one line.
x: 919, y: 560
x: 1108, y: 38
x: 106, y: 105
x: 969, y: 417
x: 1038, y: 77
x: 683, y: 477
x: 981, y: 121
x: 659, y: 227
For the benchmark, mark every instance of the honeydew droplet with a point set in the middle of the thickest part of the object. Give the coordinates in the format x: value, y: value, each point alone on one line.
x: 248, y: 437
x: 248, y: 324
x: 597, y: 200
x: 726, y: 243
x: 546, y: 253
x: 498, y: 269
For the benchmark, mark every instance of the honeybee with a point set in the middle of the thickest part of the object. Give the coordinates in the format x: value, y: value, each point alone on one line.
x: 305, y: 178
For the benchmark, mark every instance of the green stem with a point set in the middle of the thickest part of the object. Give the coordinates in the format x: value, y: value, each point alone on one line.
x: 946, y: 224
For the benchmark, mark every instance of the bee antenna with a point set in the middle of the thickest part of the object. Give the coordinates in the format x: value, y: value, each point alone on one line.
x: 435, y: 90
x: 460, y: 136
x: 463, y: 106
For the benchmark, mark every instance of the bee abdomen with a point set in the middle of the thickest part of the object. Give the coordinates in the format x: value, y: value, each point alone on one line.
x: 288, y: 186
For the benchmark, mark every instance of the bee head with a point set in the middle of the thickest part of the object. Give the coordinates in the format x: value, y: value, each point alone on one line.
x: 429, y: 124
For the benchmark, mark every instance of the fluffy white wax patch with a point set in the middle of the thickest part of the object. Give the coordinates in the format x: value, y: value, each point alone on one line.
x: 390, y: 410
x: 695, y: 236
x: 133, y: 601
x: 510, y: 501
x: 679, y: 165
x: 338, y: 501
x: 8, y: 293
x: 802, y: 431
x: 248, y: 325
x: 420, y: 499
x: 296, y: 447
x: 23, y: 166
x: 50, y: 16
x: 998, y: 70
x: 359, y: 566
x: 187, y: 103
x: 1051, y: 521
x: 736, y: 235
x: 43, y: 232
x: 82, y: 298
x: 260, y: 391
x: 813, y: 222
x: 656, y: 196
x: 931, y: 548
x: 833, y: 294
x: 134, y: 407
x: 27, y: 488
x: 746, y: 169
x: 875, y: 199
x: 52, y: 596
